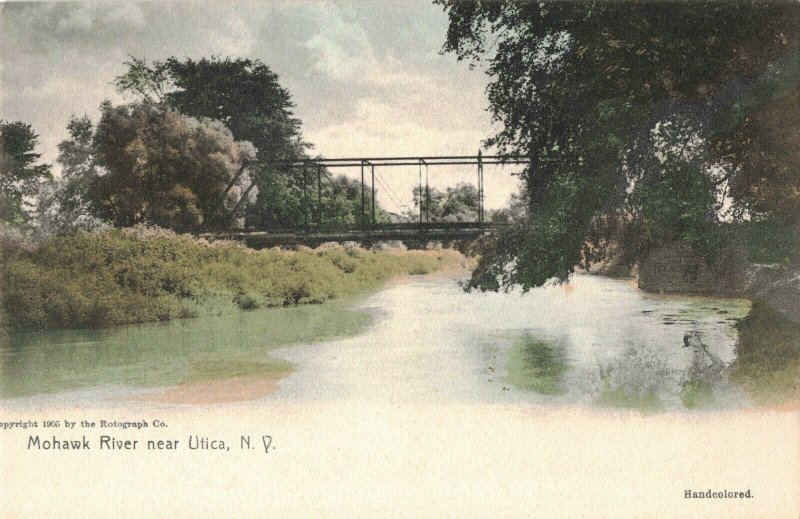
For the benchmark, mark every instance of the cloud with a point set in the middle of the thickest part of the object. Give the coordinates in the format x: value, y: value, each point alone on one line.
x: 366, y: 77
x: 88, y: 18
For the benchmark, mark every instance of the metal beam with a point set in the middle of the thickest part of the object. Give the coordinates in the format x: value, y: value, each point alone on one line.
x: 454, y: 160
x: 361, y: 220
x: 319, y: 195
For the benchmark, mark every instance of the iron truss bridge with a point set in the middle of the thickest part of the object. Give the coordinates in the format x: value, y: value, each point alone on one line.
x: 315, y: 230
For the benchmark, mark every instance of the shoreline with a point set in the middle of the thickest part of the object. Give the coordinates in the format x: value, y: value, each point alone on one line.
x: 119, y: 277
x: 218, y: 391
x: 237, y: 388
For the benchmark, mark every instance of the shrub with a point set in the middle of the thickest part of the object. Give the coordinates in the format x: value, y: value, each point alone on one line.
x: 90, y: 280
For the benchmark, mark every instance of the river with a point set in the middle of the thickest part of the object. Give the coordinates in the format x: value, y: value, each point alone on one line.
x: 592, y: 342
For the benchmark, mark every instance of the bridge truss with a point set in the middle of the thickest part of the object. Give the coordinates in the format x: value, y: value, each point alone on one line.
x: 314, y: 228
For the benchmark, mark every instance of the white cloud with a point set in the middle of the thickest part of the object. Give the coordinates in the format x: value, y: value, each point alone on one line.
x: 342, y: 48
x: 93, y: 17
x: 367, y: 78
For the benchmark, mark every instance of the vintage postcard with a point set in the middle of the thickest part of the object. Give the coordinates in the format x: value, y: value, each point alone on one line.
x: 400, y: 258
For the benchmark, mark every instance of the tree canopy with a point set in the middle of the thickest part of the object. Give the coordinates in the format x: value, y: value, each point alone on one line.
x: 21, y: 173
x: 243, y: 94
x: 182, y: 156
x: 246, y: 96
x: 165, y: 168
x: 633, y: 114
x: 456, y: 204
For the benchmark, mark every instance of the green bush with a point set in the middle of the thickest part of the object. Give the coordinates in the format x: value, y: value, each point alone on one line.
x: 130, y: 276
x: 768, y: 355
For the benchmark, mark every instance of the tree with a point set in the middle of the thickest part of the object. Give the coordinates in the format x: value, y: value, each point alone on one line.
x: 167, y: 169
x: 455, y: 204
x: 246, y: 96
x: 762, y: 149
x: 21, y: 174
x: 64, y: 205
x: 581, y: 87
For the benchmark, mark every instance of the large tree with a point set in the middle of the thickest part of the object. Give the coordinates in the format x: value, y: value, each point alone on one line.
x: 246, y: 96
x: 64, y: 204
x: 164, y: 168
x: 21, y: 172
x: 616, y: 104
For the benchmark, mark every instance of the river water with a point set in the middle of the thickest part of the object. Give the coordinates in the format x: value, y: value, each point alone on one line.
x: 592, y: 342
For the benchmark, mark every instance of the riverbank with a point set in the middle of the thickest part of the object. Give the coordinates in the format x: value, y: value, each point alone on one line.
x: 767, y: 364
x: 141, y: 275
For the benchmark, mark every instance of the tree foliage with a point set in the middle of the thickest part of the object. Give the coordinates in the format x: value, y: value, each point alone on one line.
x: 164, y: 168
x: 581, y: 87
x: 245, y: 96
x: 64, y: 205
x: 21, y: 173
x: 456, y: 204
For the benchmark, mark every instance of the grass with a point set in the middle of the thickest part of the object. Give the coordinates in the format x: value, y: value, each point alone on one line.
x: 119, y: 277
x: 768, y: 356
x: 536, y: 365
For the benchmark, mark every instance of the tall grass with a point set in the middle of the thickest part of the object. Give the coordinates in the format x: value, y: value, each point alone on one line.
x: 124, y: 276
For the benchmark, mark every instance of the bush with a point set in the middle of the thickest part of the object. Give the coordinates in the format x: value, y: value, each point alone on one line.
x: 768, y: 355
x: 128, y: 276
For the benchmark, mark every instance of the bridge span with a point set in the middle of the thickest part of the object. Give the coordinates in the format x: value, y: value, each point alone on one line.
x: 417, y: 228
x: 408, y: 233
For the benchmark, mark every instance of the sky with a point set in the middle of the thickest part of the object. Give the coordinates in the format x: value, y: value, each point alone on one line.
x: 368, y: 78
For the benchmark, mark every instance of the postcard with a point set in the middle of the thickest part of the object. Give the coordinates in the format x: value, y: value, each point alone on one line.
x: 394, y: 258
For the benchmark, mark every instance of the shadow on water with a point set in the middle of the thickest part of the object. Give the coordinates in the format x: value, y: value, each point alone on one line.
x: 167, y: 354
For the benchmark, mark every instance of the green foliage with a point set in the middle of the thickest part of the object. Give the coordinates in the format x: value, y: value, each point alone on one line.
x: 763, y: 150
x: 767, y: 241
x: 123, y: 276
x: 584, y: 88
x: 768, y: 355
x: 456, y: 204
x: 65, y: 206
x: 286, y: 204
x: 163, y: 168
x: 20, y: 174
x: 246, y: 96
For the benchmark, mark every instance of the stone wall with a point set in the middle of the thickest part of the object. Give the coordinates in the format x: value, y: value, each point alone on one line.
x: 779, y: 287
x: 676, y: 268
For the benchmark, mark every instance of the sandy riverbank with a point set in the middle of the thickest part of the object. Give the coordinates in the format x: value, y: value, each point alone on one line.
x: 254, y: 387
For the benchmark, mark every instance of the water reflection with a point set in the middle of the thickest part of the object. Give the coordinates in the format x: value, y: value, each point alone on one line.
x: 641, y: 374
x: 537, y: 365
x: 599, y: 342
x: 166, y: 354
